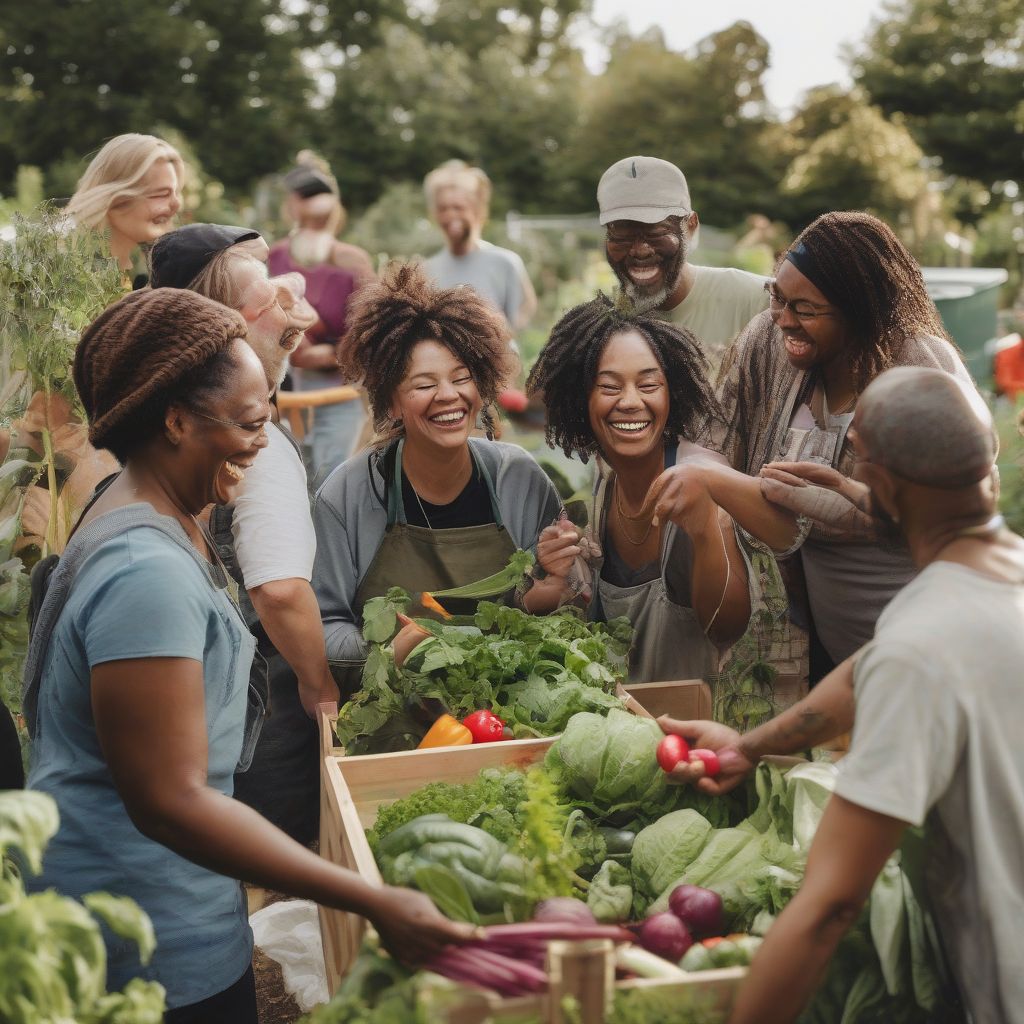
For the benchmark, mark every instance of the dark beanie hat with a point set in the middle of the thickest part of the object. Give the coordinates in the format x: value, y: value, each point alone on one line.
x: 308, y: 181
x: 179, y: 257
x: 141, y: 346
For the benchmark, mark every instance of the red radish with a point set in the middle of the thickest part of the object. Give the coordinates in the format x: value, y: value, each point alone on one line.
x: 665, y: 935
x: 699, y: 909
x: 671, y: 750
x: 709, y: 759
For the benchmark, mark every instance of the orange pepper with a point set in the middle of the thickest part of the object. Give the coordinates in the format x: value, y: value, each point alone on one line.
x: 446, y: 732
x: 431, y: 605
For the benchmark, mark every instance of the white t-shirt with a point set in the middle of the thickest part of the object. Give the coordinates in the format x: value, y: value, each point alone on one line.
x: 720, y: 304
x: 939, y: 726
x: 271, y: 525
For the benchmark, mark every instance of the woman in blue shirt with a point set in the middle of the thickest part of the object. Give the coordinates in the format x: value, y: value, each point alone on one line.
x: 138, y: 680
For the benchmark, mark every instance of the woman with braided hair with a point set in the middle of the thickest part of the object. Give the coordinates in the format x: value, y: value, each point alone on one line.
x: 633, y: 389
x: 137, y: 680
x: 430, y: 507
x: 848, y: 302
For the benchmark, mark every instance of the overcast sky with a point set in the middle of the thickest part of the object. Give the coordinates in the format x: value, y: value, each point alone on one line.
x: 805, y: 37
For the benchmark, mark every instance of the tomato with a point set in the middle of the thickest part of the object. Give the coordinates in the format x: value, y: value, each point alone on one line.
x: 672, y: 750
x: 484, y: 725
x: 710, y: 760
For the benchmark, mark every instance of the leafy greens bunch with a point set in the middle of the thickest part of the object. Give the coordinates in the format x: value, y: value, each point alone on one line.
x: 535, y: 672
x: 53, y: 962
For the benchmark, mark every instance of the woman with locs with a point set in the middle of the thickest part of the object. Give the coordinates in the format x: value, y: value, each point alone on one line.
x: 633, y: 390
x: 138, y: 674
x: 430, y: 507
x: 847, y: 302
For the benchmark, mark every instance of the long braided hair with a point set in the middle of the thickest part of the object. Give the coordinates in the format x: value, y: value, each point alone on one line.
x: 566, y: 370
x: 390, y: 317
x: 864, y: 270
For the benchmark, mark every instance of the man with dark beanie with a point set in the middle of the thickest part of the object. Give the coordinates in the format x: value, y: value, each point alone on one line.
x: 266, y: 535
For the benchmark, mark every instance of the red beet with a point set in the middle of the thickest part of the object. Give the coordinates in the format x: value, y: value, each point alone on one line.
x: 699, y: 909
x: 665, y: 935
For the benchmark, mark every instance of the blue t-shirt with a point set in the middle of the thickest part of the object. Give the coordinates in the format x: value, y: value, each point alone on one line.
x: 139, y: 595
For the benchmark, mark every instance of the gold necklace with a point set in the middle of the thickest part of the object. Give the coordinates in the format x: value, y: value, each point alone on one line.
x: 624, y: 517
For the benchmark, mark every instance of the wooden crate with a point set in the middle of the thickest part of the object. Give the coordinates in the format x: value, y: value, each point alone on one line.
x: 353, y: 788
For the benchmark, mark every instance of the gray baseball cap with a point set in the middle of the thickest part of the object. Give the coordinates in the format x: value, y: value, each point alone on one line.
x: 642, y: 188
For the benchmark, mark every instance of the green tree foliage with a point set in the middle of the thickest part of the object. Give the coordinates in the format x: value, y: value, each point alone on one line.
x: 953, y: 69
x: 864, y: 161
x: 704, y: 111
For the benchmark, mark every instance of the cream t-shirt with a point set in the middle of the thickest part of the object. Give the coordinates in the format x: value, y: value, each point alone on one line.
x: 720, y: 304
x: 939, y: 719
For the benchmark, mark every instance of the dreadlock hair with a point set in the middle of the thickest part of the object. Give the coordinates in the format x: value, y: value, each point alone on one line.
x: 571, y: 356
x: 390, y: 317
x: 864, y: 270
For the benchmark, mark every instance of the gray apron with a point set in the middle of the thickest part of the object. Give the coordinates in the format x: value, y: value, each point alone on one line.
x: 668, y: 639
x: 419, y: 559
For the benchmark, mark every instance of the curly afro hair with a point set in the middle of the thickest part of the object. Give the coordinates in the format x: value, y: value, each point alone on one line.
x: 390, y: 317
x: 864, y: 270
x: 571, y: 358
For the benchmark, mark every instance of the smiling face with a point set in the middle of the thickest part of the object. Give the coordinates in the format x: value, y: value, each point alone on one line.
x: 229, y: 432
x: 275, y: 310
x: 629, y: 403
x: 648, y: 259
x: 457, y: 215
x: 809, y: 343
x: 148, y: 216
x: 437, y: 399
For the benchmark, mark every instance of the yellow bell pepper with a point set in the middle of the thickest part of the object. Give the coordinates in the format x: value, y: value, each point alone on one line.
x: 446, y: 732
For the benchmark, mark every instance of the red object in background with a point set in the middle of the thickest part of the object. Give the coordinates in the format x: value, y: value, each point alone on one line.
x: 485, y: 726
x: 1009, y: 367
x: 513, y: 400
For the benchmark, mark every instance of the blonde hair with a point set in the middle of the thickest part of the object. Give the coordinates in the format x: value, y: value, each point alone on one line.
x: 115, y: 175
x: 322, y: 212
x: 217, y: 279
x: 459, y: 174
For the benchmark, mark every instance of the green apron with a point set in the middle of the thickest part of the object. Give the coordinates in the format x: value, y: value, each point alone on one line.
x: 418, y: 558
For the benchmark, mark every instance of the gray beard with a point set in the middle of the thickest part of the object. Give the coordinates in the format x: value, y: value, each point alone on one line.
x: 645, y: 302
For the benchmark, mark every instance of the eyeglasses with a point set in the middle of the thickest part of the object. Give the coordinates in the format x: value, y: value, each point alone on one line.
x: 658, y: 236
x: 254, y: 428
x: 802, y: 309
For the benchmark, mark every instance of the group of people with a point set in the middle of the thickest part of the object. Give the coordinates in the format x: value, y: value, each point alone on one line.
x: 843, y: 442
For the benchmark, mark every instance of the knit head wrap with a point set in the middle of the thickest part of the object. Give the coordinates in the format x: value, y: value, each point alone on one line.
x: 140, y: 347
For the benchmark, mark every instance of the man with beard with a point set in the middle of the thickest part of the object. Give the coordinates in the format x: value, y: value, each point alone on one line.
x: 645, y: 207
x: 934, y: 700
x: 458, y: 197
x: 266, y: 537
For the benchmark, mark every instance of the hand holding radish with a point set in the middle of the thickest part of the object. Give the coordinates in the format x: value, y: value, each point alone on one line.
x: 412, y: 929
x: 714, y: 742
x: 407, y: 639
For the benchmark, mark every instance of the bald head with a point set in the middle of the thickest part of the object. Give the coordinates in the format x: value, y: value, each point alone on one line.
x: 927, y: 427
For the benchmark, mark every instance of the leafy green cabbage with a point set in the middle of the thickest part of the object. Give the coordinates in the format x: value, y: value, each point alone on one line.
x: 664, y: 850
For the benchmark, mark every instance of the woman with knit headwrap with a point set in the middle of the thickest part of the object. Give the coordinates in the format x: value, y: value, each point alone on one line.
x: 137, y: 681
x: 131, y: 188
x: 633, y: 389
x: 847, y: 302
x: 431, y: 507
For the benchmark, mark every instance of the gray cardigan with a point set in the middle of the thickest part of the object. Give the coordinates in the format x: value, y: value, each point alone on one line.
x: 350, y: 519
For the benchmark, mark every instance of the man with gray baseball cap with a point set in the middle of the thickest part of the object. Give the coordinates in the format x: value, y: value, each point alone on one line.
x: 645, y: 207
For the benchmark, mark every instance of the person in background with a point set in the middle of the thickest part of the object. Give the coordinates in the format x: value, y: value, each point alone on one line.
x: 935, y: 703
x: 430, y: 507
x: 333, y: 272
x: 848, y: 301
x: 634, y: 390
x: 650, y: 226
x: 458, y: 198
x: 138, y: 671
x: 132, y: 189
x: 265, y: 535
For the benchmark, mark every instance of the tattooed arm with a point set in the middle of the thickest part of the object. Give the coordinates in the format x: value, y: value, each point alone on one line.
x: 825, y: 713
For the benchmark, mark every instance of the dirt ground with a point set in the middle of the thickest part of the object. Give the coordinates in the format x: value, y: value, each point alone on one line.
x: 274, y: 1004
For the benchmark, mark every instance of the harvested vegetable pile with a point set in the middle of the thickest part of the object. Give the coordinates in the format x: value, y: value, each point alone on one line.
x: 696, y: 880
x: 534, y: 672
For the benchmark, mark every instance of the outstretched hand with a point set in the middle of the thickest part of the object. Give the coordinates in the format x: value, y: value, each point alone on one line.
x: 734, y: 762
x: 837, y: 503
x: 411, y: 928
x: 680, y: 495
